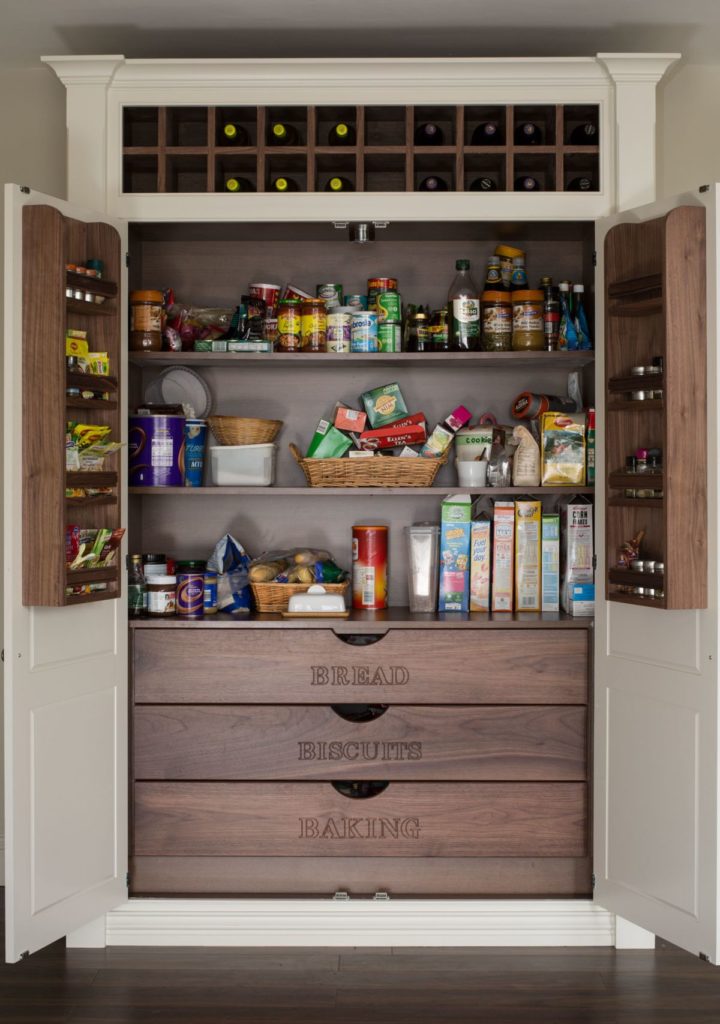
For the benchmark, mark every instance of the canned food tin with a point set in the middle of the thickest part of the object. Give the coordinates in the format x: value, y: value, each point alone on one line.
x: 339, y: 320
x: 356, y: 301
x: 370, y: 567
x: 380, y: 284
x: 314, y: 325
x: 290, y: 291
x: 389, y: 337
x: 332, y: 293
x: 210, y: 593
x: 389, y: 308
x: 189, y: 595
x: 289, y: 325
x: 364, y: 332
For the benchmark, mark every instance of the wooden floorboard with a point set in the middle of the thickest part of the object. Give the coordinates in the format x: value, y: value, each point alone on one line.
x: 134, y: 985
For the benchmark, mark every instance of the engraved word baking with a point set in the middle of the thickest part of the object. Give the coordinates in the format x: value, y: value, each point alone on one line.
x: 354, y: 750
x: 359, y: 828
x: 360, y: 675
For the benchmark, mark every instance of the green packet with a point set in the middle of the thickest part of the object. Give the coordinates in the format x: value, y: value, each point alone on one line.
x: 328, y: 442
x: 384, y: 405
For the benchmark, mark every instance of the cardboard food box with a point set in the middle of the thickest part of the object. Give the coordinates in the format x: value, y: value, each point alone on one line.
x: 577, y: 551
x: 384, y: 405
x: 550, y: 563
x: 328, y: 442
x: 349, y: 419
x: 480, y: 548
x: 528, y: 523
x: 503, y: 556
x: 411, y: 430
x: 454, y: 590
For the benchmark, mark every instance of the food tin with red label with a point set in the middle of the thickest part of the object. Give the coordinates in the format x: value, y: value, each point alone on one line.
x: 377, y: 285
x: 370, y: 567
x: 189, y: 595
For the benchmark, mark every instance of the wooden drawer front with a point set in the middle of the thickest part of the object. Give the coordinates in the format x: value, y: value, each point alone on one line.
x: 313, y: 742
x: 484, y: 666
x: 304, y: 819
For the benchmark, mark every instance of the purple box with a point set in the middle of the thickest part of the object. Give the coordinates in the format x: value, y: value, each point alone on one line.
x: 156, y: 451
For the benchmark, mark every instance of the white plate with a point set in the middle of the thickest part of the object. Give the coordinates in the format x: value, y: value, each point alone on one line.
x: 179, y: 385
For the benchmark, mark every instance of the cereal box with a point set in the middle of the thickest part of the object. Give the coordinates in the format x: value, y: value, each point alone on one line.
x: 528, y: 522
x: 454, y: 591
x: 480, y: 564
x: 550, y: 563
x: 503, y: 551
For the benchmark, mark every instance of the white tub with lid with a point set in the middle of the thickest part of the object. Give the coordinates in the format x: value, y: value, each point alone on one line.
x: 243, y: 465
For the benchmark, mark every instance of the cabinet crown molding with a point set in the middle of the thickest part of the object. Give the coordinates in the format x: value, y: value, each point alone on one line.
x: 637, y: 67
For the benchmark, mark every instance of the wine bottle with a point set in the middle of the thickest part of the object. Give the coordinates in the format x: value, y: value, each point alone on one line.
x: 341, y: 134
x: 528, y: 134
x: 483, y: 184
x: 487, y: 134
x: 239, y: 185
x: 283, y: 184
x: 432, y: 184
x: 579, y: 185
x: 282, y: 134
x: 585, y: 134
x: 428, y: 134
x: 235, y: 135
x: 337, y: 184
x: 527, y: 184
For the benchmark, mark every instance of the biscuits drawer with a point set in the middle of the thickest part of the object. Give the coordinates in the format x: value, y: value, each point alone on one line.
x: 314, y: 666
x: 230, y: 742
x: 405, y: 819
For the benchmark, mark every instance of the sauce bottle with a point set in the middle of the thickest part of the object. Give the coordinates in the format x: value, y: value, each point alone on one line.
x: 464, y: 309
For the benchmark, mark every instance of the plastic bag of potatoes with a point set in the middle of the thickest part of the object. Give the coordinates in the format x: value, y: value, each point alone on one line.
x: 298, y: 565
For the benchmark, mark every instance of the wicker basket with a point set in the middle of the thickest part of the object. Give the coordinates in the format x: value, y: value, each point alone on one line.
x: 375, y: 472
x: 241, y: 430
x: 275, y: 597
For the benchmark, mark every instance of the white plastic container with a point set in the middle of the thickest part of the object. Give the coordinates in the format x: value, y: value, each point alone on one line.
x: 243, y: 465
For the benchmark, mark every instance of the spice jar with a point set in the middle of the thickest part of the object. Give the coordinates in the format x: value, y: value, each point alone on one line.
x: 519, y: 276
x: 289, y: 325
x: 161, y: 595
x: 528, y: 325
x: 506, y: 254
x: 497, y: 322
x: 493, y: 276
x: 146, y: 310
x: 314, y: 325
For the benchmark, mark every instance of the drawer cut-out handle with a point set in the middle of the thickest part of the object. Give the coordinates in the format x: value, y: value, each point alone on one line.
x: 361, y: 639
x: 360, y: 790
x: 359, y: 712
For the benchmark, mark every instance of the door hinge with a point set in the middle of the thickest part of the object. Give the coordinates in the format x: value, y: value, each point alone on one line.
x: 592, y: 880
x: 26, y: 954
x: 704, y: 956
x: 341, y: 897
x: 594, y: 257
x: 25, y: 189
x: 381, y: 897
x: 127, y: 259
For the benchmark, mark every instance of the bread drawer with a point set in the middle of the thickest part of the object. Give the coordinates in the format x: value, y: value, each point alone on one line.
x: 314, y: 666
x: 184, y: 742
x: 406, y: 819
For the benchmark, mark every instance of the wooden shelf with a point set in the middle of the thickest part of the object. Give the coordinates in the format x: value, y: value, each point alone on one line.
x: 636, y: 405
x: 635, y: 287
x: 94, y: 285
x: 630, y: 382
x: 652, y: 481
x: 350, y: 492
x: 89, y: 403
x: 649, y: 602
x: 102, y: 478
x: 82, y: 308
x: 103, y: 575
x: 565, y: 361
x: 635, y: 502
x: 631, y: 578
x: 98, y: 499
x: 98, y: 595
x: 92, y: 381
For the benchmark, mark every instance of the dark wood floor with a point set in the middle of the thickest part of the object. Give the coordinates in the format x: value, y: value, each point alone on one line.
x: 359, y: 986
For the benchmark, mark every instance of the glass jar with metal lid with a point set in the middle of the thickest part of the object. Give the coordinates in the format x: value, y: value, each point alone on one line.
x: 497, y: 321
x: 146, y: 310
x: 528, y: 324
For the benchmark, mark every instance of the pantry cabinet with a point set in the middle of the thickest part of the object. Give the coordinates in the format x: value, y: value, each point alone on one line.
x: 421, y: 756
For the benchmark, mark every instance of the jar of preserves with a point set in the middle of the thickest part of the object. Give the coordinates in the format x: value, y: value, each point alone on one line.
x: 528, y: 324
x: 314, y: 325
x: 146, y: 312
x: 289, y: 325
x: 497, y: 322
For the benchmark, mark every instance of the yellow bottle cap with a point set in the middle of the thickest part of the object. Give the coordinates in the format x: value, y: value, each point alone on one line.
x: 341, y: 129
x: 232, y: 185
x: 279, y: 130
x: 230, y: 131
x: 335, y: 184
x: 508, y: 251
x: 281, y: 184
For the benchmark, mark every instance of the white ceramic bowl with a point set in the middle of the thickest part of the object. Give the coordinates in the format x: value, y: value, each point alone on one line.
x: 472, y: 474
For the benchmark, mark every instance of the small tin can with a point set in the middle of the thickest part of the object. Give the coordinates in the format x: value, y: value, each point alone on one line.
x: 364, y: 332
x: 332, y: 293
x: 314, y: 325
x: 339, y: 320
x: 640, y: 396
x: 270, y: 329
x: 637, y: 371
x: 389, y: 308
x: 356, y: 301
x: 210, y: 593
x: 638, y: 565
x: 389, y: 337
x: 649, y: 565
x: 660, y: 568
x: 379, y: 284
x: 370, y: 567
x: 189, y: 595
x: 289, y: 326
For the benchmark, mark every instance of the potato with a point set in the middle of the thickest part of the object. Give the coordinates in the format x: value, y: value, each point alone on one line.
x: 264, y: 572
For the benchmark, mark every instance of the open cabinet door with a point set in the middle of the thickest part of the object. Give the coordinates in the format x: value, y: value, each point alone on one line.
x: 656, y: 665
x: 65, y: 668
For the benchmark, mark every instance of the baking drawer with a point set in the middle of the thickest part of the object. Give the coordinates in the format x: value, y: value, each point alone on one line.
x: 406, y: 819
x: 314, y: 666
x: 207, y: 742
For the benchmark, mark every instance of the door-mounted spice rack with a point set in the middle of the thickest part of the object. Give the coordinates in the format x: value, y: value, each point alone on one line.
x: 385, y: 148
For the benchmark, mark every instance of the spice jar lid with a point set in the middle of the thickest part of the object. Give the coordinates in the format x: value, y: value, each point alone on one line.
x: 496, y: 297
x: 527, y: 296
x: 146, y: 296
x: 162, y: 581
x: 508, y: 251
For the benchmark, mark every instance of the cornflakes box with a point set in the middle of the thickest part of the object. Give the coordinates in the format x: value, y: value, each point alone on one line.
x: 528, y: 523
x: 455, y: 519
x: 480, y: 564
x: 503, y: 552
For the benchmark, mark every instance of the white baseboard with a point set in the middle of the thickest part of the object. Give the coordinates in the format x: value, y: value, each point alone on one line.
x: 267, y: 922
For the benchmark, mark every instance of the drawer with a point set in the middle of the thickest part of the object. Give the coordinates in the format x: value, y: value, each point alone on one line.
x: 406, y: 819
x: 314, y: 666
x: 210, y: 742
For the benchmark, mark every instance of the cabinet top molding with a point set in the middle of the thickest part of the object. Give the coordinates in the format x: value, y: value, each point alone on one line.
x: 118, y: 71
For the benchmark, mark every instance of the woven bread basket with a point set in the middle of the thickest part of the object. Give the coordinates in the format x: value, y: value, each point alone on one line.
x: 275, y: 597
x: 376, y: 472
x: 233, y: 430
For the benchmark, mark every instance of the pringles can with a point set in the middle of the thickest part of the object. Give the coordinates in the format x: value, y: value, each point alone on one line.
x: 189, y: 595
x: 370, y: 567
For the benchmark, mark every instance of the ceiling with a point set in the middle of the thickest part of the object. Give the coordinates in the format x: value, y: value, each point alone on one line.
x: 356, y: 28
